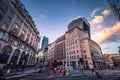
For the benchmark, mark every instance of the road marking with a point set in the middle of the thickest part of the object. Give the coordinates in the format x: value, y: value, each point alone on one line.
x: 16, y: 76
x: 76, y: 74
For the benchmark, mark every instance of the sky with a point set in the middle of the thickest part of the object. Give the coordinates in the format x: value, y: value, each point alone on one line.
x: 51, y: 17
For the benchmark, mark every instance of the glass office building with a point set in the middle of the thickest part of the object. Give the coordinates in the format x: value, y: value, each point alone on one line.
x: 115, y: 6
x: 45, y: 43
x: 82, y: 23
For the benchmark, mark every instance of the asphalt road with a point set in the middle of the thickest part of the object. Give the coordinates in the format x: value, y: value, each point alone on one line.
x: 48, y: 74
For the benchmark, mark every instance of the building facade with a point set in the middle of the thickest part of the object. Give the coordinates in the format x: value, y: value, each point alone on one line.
x: 60, y: 49
x: 115, y: 7
x: 45, y: 42
x: 112, y: 60
x: 80, y: 50
x: 73, y: 46
x: 19, y: 36
x: 96, y: 55
x: 51, y: 52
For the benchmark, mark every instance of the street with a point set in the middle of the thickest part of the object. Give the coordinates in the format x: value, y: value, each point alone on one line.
x: 48, y: 74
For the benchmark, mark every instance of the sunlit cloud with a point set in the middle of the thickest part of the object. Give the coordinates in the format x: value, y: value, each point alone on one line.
x: 98, y: 19
x: 104, y: 34
x: 106, y: 12
x: 94, y: 11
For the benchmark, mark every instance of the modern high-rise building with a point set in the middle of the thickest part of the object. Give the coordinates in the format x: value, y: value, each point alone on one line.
x: 115, y: 7
x: 82, y: 23
x: 19, y: 36
x: 45, y: 42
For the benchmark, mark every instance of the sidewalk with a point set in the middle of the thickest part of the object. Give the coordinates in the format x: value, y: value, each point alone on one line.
x: 20, y: 73
x: 89, y: 72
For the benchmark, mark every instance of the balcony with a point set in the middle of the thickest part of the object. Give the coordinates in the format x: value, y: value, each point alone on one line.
x: 22, y: 37
x: 14, y: 31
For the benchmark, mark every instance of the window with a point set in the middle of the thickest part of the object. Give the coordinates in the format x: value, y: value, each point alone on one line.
x: 16, y: 26
x: 10, y: 39
x: 1, y: 35
x: 76, y: 42
x: 74, y: 57
x: 4, y: 26
x: 77, y: 51
x: 84, y: 51
x: 8, y: 19
x: 28, y: 36
x: 85, y: 56
x: 77, y: 56
x: 7, y: 1
x: 1, y: 11
x: 23, y: 31
x: 25, y: 27
x: 19, y: 44
x: 19, y: 20
x: 11, y: 13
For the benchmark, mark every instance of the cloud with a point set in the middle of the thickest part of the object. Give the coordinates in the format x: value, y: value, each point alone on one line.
x: 98, y: 19
x: 106, y: 12
x: 106, y: 33
x: 114, y: 38
x: 42, y: 16
x: 94, y: 11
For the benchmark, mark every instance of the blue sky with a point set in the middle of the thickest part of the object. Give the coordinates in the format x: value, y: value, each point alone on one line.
x: 52, y: 17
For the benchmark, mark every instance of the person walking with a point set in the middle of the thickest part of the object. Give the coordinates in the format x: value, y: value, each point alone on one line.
x: 93, y: 71
x: 97, y: 74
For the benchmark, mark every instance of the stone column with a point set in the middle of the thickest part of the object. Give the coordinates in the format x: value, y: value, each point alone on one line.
x: 9, y: 59
x: 19, y: 58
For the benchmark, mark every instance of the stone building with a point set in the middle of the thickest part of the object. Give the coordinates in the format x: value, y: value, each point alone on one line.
x: 19, y: 36
x: 60, y: 49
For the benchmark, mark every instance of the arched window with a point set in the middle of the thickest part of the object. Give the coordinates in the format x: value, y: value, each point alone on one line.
x: 15, y: 56
x: 5, y: 53
x: 22, y: 58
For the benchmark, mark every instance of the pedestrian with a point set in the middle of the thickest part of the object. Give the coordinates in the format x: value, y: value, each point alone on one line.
x: 66, y: 73
x: 55, y: 70
x: 62, y: 72
x: 93, y: 71
x: 97, y: 74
